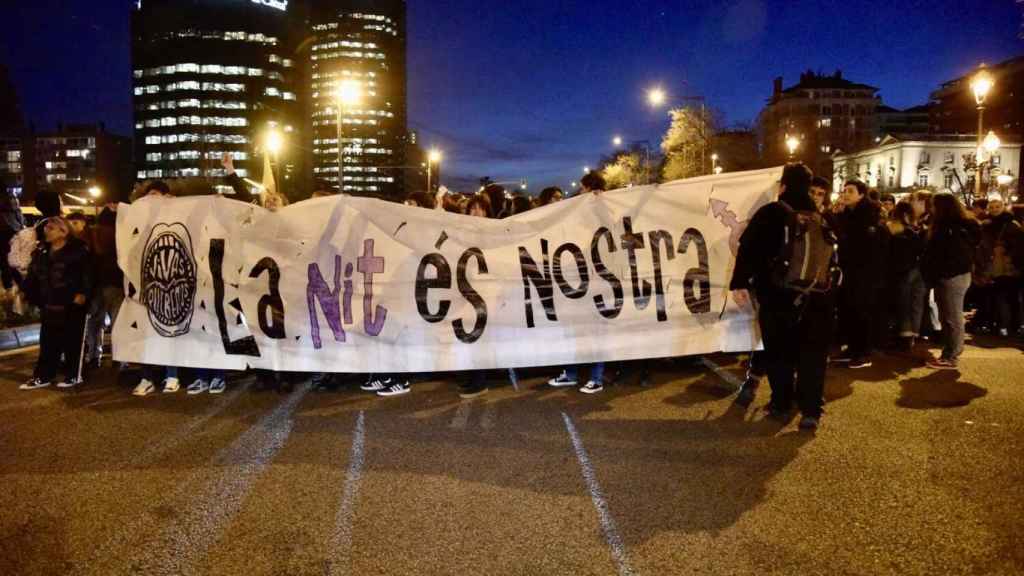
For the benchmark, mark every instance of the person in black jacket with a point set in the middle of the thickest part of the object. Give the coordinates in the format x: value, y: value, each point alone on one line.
x: 59, y: 282
x: 906, y: 248
x: 952, y: 241
x: 796, y: 331
x: 863, y: 241
x: 999, y: 266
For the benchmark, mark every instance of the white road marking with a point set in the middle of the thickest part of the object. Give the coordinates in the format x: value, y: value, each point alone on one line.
x: 341, y: 540
x: 186, y: 538
x: 722, y: 373
x: 604, y: 514
x: 461, y: 416
x: 152, y: 453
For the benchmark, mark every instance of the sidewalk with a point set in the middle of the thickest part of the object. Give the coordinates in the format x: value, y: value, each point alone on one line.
x: 19, y: 337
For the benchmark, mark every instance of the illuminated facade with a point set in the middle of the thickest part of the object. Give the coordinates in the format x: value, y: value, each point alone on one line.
x: 214, y: 77
x: 362, y: 45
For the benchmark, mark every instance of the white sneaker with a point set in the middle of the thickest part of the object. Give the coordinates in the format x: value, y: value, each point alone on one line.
x: 376, y: 384
x: 34, y: 384
x: 562, y: 381
x: 218, y: 386
x: 592, y: 387
x: 144, y: 388
x: 197, y: 387
x: 171, y: 385
x: 70, y: 383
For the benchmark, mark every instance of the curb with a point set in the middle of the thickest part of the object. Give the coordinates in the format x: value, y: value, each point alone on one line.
x: 19, y: 337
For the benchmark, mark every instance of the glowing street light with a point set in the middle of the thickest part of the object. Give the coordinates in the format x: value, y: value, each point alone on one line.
x: 718, y: 169
x: 656, y: 97
x: 433, y: 157
x: 348, y: 94
x: 792, y: 143
x: 991, y: 143
x: 617, y: 141
x: 981, y: 85
x: 586, y: 169
x: 274, y: 142
x: 95, y: 191
x: 1004, y: 179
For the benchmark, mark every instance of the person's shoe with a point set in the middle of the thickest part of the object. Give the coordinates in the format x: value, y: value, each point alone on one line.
x: 858, y: 363
x: 197, y: 387
x: 69, y: 383
x: 747, y: 392
x: 942, y: 364
x: 144, y: 388
x: 562, y: 381
x: 809, y: 422
x: 469, y: 391
x: 778, y: 414
x: 592, y: 387
x: 171, y: 385
x: 376, y: 384
x: 218, y: 386
x: 34, y: 384
x: 396, y: 389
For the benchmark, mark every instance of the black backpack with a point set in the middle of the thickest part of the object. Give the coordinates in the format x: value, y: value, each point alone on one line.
x: 807, y: 259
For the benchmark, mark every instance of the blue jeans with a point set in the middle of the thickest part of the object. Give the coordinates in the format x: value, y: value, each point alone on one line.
x: 208, y: 374
x: 596, y: 372
x: 157, y: 374
x: 911, y: 294
x: 949, y: 295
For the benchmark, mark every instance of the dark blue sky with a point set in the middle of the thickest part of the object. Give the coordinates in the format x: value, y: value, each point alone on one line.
x: 536, y: 88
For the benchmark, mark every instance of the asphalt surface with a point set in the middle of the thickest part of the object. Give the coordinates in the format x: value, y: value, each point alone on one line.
x: 912, y: 472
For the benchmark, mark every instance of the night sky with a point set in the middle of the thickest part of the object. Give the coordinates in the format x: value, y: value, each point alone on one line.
x: 537, y: 88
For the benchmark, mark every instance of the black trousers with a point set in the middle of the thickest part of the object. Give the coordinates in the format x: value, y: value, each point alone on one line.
x: 795, y: 356
x: 61, y: 333
x: 858, y: 313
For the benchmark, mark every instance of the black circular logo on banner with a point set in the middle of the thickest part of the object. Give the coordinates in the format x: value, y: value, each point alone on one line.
x: 169, y: 279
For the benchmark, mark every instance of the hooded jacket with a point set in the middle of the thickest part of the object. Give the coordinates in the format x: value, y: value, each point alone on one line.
x: 762, y: 242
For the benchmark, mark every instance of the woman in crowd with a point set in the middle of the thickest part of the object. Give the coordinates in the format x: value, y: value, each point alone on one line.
x: 906, y: 249
x: 952, y: 240
x: 999, y: 266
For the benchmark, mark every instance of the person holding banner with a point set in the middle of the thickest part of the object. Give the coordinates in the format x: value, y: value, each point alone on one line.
x: 796, y: 325
x: 593, y: 183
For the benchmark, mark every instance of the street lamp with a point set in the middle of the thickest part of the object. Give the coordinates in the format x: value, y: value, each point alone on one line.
x: 656, y: 97
x: 792, y: 143
x: 586, y: 169
x: 433, y: 157
x: 981, y: 85
x: 95, y: 192
x: 714, y: 163
x: 273, y: 142
x: 617, y: 141
x: 718, y: 169
x: 991, y: 143
x: 348, y: 94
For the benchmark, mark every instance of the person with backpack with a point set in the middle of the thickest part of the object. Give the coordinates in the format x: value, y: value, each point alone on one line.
x: 863, y: 242
x: 59, y: 282
x: 999, y: 263
x: 952, y: 240
x: 785, y: 267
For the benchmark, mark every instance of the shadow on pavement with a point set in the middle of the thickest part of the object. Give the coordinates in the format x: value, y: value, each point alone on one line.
x: 938, y: 390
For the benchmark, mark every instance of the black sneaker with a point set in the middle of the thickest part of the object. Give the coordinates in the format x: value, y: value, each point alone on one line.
x: 747, y: 392
x: 395, y: 389
x: 469, y: 391
x: 858, y: 363
x: 809, y: 422
x: 34, y: 384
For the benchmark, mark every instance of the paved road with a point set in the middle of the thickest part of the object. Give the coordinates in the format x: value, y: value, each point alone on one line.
x: 913, y: 472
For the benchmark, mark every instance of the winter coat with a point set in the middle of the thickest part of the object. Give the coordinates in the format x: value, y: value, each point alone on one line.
x: 108, y: 273
x: 951, y: 250
x: 999, y: 253
x: 56, y: 276
x: 863, y: 241
x: 906, y: 247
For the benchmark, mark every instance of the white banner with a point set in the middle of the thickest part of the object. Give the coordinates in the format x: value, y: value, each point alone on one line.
x: 359, y: 285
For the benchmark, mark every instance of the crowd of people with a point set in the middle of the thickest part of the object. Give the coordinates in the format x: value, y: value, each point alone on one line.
x: 832, y: 280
